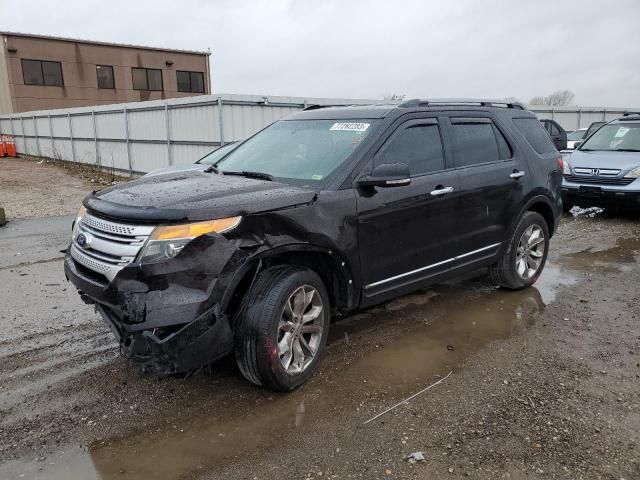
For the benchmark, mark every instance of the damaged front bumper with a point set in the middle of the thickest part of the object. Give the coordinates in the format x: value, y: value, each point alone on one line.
x: 163, y: 318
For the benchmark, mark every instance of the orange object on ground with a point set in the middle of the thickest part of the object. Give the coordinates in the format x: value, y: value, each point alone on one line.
x: 3, y: 148
x: 10, y: 146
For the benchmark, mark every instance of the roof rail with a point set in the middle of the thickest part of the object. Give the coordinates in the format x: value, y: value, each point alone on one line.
x: 417, y: 102
x: 626, y: 114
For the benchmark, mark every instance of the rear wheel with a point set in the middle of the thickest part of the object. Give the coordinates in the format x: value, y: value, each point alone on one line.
x: 525, y: 256
x: 281, y: 328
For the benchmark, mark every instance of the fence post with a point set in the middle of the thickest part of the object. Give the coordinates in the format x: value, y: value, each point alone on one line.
x: 53, y: 145
x: 35, y: 131
x: 24, y: 137
x: 579, y: 117
x: 126, y: 136
x: 220, y: 121
x: 95, y: 137
x: 13, y: 133
x: 604, y: 114
x: 552, y: 114
x: 73, y: 147
x: 168, y: 128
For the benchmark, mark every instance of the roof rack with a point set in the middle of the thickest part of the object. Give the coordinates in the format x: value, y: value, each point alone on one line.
x: 417, y: 102
x: 626, y: 114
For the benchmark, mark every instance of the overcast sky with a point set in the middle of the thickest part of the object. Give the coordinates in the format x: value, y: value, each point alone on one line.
x: 366, y: 49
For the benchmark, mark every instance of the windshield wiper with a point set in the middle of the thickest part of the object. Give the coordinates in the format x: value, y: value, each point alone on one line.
x: 250, y: 174
x: 627, y: 150
x: 212, y: 169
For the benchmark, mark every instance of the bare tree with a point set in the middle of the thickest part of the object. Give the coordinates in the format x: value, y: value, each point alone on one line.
x: 393, y: 97
x: 511, y: 99
x: 559, y: 98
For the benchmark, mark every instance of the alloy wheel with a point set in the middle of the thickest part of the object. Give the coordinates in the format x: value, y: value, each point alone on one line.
x: 300, y: 329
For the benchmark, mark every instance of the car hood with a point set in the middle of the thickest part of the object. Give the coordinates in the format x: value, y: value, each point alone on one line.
x: 193, y: 196
x: 600, y: 159
x: 179, y: 168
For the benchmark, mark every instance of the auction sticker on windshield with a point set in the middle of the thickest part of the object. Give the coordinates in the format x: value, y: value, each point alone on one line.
x: 350, y: 127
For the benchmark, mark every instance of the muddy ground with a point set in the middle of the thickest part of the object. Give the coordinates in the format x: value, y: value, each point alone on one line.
x: 545, y: 382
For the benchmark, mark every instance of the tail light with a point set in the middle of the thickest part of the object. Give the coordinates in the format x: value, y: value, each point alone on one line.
x: 563, y: 166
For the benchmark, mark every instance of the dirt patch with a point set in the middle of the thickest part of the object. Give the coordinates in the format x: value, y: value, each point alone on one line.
x: 32, y: 187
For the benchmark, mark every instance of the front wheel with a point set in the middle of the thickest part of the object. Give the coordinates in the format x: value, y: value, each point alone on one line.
x: 281, y: 328
x: 525, y: 256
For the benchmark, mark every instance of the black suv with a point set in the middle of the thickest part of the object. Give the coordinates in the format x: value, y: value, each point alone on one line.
x: 324, y: 212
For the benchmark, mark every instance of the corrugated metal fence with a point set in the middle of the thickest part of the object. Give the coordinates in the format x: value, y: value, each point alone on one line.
x: 144, y: 136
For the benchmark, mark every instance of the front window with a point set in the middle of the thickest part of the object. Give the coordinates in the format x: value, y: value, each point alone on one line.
x: 622, y: 137
x: 217, y: 154
x: 307, y: 150
x: 576, y: 135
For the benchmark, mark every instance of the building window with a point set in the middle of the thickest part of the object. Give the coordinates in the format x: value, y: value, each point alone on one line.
x: 190, y: 81
x: 146, y: 78
x: 105, y: 76
x: 42, y: 72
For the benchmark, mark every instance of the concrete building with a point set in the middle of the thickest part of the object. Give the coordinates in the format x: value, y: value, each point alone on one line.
x: 39, y: 72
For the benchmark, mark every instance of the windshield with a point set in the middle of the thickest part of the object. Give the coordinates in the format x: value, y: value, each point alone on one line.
x: 576, y: 135
x: 218, y: 153
x: 615, y: 137
x: 308, y: 150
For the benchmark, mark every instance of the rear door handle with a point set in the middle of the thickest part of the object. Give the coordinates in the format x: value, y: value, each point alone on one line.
x: 441, y: 191
x: 517, y: 175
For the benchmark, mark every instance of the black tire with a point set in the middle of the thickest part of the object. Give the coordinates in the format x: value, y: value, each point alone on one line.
x: 256, y: 327
x: 504, y: 272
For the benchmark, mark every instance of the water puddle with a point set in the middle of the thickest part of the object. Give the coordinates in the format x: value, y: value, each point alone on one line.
x: 422, y: 337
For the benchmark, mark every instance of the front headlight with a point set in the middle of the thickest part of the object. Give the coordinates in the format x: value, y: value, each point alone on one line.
x: 635, y: 173
x: 76, y: 224
x: 167, y: 241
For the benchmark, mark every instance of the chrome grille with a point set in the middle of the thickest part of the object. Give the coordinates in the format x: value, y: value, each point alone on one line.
x: 599, y: 180
x: 113, y: 245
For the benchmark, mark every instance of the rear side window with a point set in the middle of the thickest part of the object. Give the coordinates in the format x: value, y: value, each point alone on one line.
x: 419, y: 146
x: 535, y: 134
x: 475, y: 142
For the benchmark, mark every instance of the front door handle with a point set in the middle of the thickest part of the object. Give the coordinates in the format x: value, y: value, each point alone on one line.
x: 441, y: 191
x: 517, y: 174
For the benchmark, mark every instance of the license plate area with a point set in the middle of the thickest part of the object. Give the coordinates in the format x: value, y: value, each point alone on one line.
x: 590, y: 191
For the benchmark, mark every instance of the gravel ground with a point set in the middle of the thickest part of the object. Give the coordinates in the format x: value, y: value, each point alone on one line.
x: 34, y: 187
x: 544, y: 381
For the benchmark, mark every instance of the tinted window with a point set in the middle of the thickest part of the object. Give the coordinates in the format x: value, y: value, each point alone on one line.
x: 418, y: 146
x: 535, y: 135
x: 190, y: 81
x: 184, y: 81
x: 105, y: 76
x: 554, y: 129
x: 474, y: 143
x: 32, y: 72
x: 52, y: 73
x: 146, y: 78
x: 154, y: 79
x: 504, y: 149
x: 42, y: 72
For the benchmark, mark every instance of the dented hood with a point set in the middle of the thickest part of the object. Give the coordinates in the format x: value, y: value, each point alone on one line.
x: 193, y: 196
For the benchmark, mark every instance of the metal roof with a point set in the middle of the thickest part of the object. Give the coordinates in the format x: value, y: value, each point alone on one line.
x: 95, y: 42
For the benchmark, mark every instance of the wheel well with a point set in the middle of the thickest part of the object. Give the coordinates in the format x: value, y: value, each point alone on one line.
x: 546, y: 212
x: 329, y: 267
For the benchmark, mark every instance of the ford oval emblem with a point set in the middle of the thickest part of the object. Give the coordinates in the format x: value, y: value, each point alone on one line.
x: 84, y: 240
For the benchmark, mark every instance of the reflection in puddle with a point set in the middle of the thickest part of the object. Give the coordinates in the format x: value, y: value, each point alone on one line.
x: 468, y: 316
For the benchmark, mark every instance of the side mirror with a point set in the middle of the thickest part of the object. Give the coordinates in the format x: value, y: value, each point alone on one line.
x: 386, y: 175
x: 576, y: 145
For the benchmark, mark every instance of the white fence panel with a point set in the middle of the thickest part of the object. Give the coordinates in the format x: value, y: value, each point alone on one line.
x: 110, y: 124
x: 144, y: 136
